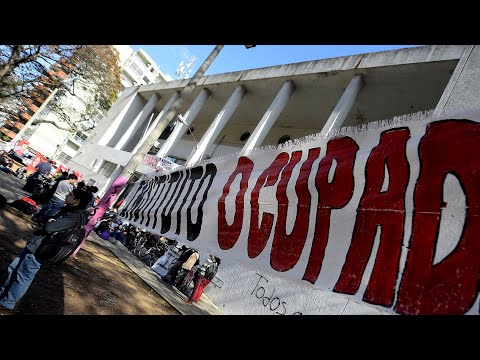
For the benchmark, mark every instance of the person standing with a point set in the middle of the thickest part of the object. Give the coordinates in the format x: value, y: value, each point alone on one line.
x: 44, y: 168
x: 175, y: 266
x: 25, y: 266
x: 57, y: 201
x: 63, y: 176
x: 185, y: 269
x: 203, y: 277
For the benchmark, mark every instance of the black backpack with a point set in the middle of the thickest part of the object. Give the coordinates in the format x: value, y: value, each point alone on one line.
x: 211, y: 271
x: 3, y: 201
x: 185, y: 255
x: 23, y: 206
x: 59, y: 246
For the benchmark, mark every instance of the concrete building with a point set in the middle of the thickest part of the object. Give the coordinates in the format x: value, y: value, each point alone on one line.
x: 239, y: 111
x: 138, y: 68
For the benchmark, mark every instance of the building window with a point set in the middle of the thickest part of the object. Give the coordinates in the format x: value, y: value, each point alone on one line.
x: 63, y: 157
x: 97, y: 118
x: 79, y: 137
x: 136, y: 69
x: 107, y: 168
x: 146, y: 79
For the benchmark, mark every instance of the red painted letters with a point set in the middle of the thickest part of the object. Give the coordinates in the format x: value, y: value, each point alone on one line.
x: 379, y: 209
x: 258, y: 236
x: 228, y: 235
x: 286, y: 249
x: 332, y: 195
x: 451, y: 286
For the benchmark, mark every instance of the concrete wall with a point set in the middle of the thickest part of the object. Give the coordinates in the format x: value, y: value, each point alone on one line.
x: 46, y: 138
x: 461, y: 94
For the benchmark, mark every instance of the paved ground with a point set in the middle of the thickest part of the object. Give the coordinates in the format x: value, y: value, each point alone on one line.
x: 102, y: 279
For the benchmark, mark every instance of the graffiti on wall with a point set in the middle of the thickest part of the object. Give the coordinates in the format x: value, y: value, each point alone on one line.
x: 269, y: 299
x: 389, y: 215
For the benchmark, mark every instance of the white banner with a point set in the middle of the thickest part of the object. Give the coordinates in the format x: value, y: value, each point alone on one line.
x: 387, y: 213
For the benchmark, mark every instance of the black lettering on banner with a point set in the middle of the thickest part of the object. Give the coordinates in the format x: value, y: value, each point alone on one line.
x: 284, y: 309
x: 268, y: 298
x: 187, y: 177
x: 167, y: 217
x: 127, y: 209
x: 258, y: 282
x: 148, y: 189
x: 263, y: 293
x: 273, y: 303
x: 139, y: 197
x: 143, y: 212
x: 160, y: 185
x: 194, y: 174
x: 168, y: 187
x: 193, y: 230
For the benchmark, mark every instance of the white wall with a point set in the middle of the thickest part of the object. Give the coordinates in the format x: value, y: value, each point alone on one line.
x: 46, y: 138
x: 249, y: 292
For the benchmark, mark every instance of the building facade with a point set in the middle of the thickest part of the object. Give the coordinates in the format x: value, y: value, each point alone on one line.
x: 138, y: 68
x: 240, y: 111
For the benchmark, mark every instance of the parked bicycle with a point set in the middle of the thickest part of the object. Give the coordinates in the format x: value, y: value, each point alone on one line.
x: 150, y: 255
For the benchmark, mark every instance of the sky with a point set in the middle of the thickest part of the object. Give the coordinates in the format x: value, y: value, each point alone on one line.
x: 237, y: 57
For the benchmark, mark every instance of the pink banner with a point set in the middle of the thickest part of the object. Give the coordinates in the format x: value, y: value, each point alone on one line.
x: 107, y: 200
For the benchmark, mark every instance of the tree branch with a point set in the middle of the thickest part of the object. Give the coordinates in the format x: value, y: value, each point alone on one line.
x: 43, y: 121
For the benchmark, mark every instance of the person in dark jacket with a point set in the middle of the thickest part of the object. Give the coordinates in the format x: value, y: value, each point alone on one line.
x: 203, y: 277
x: 175, y: 266
x: 25, y: 266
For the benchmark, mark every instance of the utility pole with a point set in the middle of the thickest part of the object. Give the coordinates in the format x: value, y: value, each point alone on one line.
x: 120, y: 182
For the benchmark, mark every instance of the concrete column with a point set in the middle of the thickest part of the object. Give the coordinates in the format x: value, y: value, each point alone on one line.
x: 152, y: 126
x: 269, y: 118
x: 118, y: 170
x: 188, y: 118
x: 344, y: 106
x: 138, y: 121
x: 125, y: 104
x: 217, y: 125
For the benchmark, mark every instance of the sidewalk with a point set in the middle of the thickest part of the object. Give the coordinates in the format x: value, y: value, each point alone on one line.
x: 171, y: 294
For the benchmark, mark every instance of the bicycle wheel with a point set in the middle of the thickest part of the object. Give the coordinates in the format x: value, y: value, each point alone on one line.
x: 137, y: 250
x: 141, y: 252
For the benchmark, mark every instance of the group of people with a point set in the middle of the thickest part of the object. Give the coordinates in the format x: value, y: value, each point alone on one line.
x: 64, y: 193
x: 112, y: 229
x: 185, y: 269
x: 23, y: 269
x: 5, y: 162
x: 182, y: 273
x: 68, y: 201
